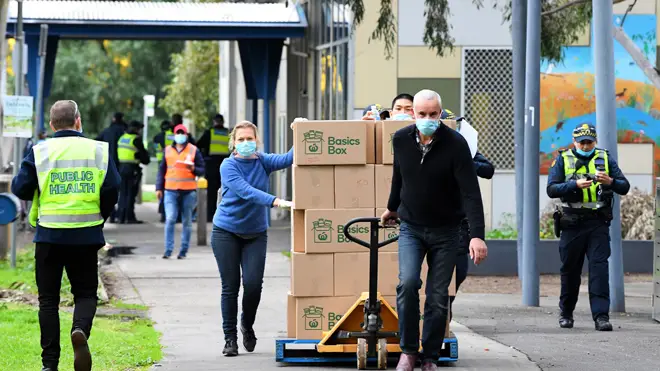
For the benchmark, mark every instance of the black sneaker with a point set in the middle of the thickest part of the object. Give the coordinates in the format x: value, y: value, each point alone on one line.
x: 82, y: 358
x: 566, y: 321
x: 181, y: 257
x: 249, y: 340
x: 166, y: 256
x: 231, y: 348
x: 602, y: 324
x: 48, y: 369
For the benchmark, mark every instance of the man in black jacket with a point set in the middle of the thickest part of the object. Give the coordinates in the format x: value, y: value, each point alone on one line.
x: 486, y: 170
x: 433, y: 180
x: 111, y: 135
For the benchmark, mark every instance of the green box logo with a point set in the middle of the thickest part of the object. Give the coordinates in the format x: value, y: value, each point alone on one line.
x: 313, y: 141
x: 313, y: 317
x: 392, y: 234
x: 322, y: 230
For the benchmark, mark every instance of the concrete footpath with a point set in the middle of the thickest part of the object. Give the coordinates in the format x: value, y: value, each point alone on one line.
x: 184, y: 301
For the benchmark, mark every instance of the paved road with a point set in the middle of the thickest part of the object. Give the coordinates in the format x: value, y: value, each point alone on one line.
x: 184, y: 297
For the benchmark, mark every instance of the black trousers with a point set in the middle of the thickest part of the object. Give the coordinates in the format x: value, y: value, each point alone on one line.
x: 462, y: 259
x: 591, y: 239
x: 80, y: 262
x: 130, y: 177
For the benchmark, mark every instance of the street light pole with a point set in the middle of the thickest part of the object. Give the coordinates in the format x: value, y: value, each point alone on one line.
x: 18, y: 90
x: 519, y: 18
x: 530, y: 281
x: 603, y: 19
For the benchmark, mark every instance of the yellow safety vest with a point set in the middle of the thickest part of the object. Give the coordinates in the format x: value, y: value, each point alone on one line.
x: 219, y: 142
x: 70, y: 172
x: 589, y: 195
x: 168, y: 140
x: 126, y: 150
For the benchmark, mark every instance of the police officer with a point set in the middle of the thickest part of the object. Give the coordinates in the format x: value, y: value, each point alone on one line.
x: 76, y: 183
x: 161, y: 141
x: 131, y: 152
x: 214, y: 144
x: 585, y: 178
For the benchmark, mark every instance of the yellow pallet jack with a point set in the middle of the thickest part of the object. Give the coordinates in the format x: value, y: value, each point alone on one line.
x: 368, y: 331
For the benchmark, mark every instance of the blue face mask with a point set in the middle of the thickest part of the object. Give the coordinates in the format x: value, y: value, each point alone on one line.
x: 427, y: 126
x: 180, y: 138
x: 402, y: 117
x: 584, y: 153
x: 247, y: 148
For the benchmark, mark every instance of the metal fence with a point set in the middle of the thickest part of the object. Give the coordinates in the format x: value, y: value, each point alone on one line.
x: 487, y: 101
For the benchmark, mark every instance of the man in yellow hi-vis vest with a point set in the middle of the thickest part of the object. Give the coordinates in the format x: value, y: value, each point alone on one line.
x: 214, y: 144
x: 585, y: 178
x: 76, y: 184
x: 130, y: 152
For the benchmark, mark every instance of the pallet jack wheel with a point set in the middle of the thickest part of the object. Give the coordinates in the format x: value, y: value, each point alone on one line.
x: 362, y: 354
x: 382, y: 354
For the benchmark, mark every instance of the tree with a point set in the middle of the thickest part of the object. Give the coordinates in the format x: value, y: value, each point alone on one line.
x: 562, y: 23
x: 194, y: 84
x: 108, y: 76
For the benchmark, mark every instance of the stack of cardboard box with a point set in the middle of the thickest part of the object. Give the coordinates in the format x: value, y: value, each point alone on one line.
x: 342, y: 170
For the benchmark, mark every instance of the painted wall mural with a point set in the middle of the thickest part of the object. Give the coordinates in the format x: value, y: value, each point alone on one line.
x: 568, y: 93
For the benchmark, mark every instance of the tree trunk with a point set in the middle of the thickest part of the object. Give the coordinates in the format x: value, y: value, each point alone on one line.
x: 637, y: 55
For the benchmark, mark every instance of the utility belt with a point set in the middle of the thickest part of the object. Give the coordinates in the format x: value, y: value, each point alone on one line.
x: 569, y: 217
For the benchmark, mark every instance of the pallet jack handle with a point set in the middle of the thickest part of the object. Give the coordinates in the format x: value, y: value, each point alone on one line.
x: 375, y: 226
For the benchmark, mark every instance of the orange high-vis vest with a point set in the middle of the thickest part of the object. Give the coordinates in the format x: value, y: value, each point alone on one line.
x: 180, y: 178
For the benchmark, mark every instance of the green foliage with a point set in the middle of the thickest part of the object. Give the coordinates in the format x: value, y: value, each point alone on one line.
x: 109, y: 76
x: 22, y: 278
x: 557, y: 29
x: 194, y: 84
x: 117, y: 344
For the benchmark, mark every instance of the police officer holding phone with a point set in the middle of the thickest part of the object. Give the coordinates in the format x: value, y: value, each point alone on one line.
x: 585, y: 178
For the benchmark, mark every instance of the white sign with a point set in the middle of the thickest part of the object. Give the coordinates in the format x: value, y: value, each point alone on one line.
x: 470, y: 135
x: 17, y: 116
x: 149, y: 101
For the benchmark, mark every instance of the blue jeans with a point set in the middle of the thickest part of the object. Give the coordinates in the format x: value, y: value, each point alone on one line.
x: 440, y: 246
x: 187, y: 200
x: 234, y: 254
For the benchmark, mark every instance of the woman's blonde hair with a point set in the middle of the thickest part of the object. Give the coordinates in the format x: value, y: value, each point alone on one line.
x: 242, y: 125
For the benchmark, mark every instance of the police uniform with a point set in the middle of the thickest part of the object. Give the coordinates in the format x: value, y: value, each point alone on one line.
x: 73, y: 184
x: 130, y: 152
x: 214, y: 144
x: 583, y: 222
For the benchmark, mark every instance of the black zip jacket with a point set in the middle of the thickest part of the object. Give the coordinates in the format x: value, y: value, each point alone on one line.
x: 432, y: 190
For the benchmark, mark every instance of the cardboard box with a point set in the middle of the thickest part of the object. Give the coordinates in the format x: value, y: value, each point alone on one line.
x: 354, y: 186
x: 371, y: 142
x: 352, y: 273
x: 383, y: 185
x: 313, y: 187
x: 379, y: 141
x: 391, y: 300
x: 312, y: 274
x: 318, y: 314
x: 385, y: 151
x: 389, y: 127
x: 324, y: 230
x: 290, y: 316
x: 330, y: 142
x: 298, y: 231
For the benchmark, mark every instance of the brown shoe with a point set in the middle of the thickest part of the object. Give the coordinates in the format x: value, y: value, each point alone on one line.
x: 429, y: 365
x: 82, y: 358
x: 406, y: 362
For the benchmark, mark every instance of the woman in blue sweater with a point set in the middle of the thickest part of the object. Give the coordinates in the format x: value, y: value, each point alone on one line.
x: 239, y: 233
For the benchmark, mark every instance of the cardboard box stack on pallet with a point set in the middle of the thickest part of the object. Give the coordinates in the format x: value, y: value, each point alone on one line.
x: 342, y: 170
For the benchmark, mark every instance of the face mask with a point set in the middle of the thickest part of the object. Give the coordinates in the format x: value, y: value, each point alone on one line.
x: 247, y: 148
x: 584, y: 153
x: 180, y: 138
x: 402, y: 117
x: 426, y: 126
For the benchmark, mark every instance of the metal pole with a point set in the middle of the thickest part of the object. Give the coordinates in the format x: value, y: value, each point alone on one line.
x: 519, y: 40
x: 603, y: 19
x: 43, y: 44
x: 202, y: 199
x: 530, y: 281
x: 18, y: 90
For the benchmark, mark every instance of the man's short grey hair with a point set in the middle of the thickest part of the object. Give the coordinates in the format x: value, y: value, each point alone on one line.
x: 427, y: 94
